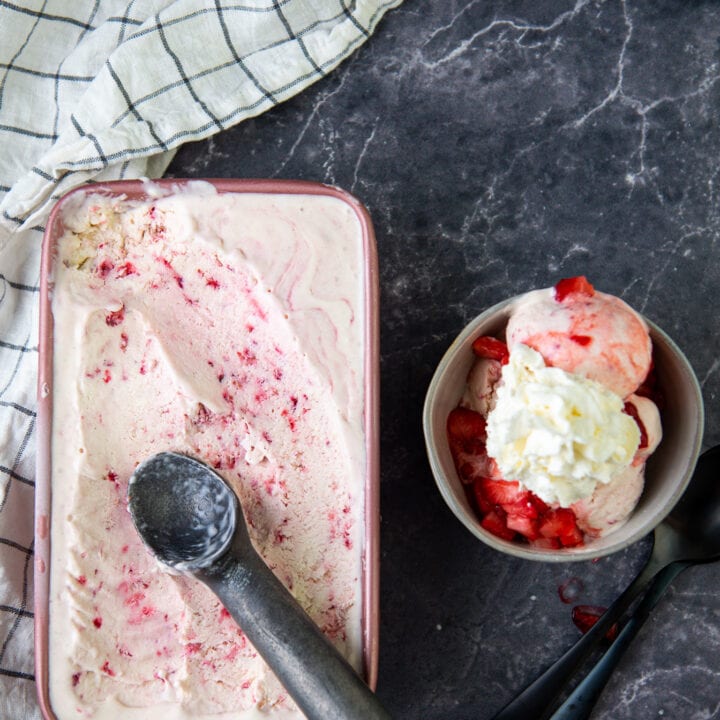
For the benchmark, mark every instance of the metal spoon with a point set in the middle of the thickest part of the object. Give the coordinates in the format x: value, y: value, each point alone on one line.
x: 191, y: 521
x: 689, y: 535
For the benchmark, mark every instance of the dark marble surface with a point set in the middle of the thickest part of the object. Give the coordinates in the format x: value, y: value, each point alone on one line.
x: 500, y: 146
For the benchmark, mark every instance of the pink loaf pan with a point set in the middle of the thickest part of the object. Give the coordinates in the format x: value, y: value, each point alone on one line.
x: 137, y: 190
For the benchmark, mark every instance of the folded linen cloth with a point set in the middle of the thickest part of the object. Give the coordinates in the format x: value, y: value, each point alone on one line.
x: 98, y: 90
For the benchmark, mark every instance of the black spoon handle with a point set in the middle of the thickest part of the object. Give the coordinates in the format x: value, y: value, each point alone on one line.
x: 582, y: 700
x: 537, y: 699
x: 315, y: 674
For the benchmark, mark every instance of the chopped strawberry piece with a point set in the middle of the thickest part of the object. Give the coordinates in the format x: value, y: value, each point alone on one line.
x: 481, y: 498
x: 495, y: 524
x: 560, y: 523
x: 581, y: 339
x: 528, y: 505
x: 524, y: 508
x: 544, y: 543
x: 491, y: 348
x: 519, y: 510
x: 502, y: 492
x: 632, y: 411
x: 526, y: 526
x: 578, y: 285
x: 466, y: 431
x: 504, y: 507
x: 585, y: 616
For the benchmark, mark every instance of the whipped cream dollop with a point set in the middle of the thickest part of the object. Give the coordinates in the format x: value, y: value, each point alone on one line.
x: 557, y: 433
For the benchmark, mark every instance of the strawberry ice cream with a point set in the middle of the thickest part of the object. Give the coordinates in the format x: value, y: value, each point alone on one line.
x: 229, y: 327
x: 586, y: 333
x: 556, y: 423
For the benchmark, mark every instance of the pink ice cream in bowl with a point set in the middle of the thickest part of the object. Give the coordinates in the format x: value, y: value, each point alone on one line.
x: 562, y: 424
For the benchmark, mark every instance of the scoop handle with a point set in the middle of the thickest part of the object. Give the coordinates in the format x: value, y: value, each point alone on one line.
x: 316, y: 675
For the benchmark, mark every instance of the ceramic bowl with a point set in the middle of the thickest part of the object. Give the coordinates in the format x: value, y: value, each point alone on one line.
x: 668, y: 470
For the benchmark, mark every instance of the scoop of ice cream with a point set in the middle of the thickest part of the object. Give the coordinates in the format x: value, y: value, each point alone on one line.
x: 480, y: 389
x: 558, y: 433
x: 586, y: 332
x: 611, y: 504
x: 609, y: 507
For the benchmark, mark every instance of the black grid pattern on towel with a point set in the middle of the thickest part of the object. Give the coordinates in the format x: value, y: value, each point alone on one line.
x: 114, y: 120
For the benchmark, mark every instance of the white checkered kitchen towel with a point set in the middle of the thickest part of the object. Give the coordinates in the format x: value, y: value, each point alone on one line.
x: 103, y: 90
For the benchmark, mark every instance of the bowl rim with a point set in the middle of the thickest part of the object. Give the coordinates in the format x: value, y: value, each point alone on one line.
x: 528, y: 552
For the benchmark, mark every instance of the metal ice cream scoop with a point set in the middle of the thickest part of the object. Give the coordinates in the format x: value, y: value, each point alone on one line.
x: 191, y: 521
